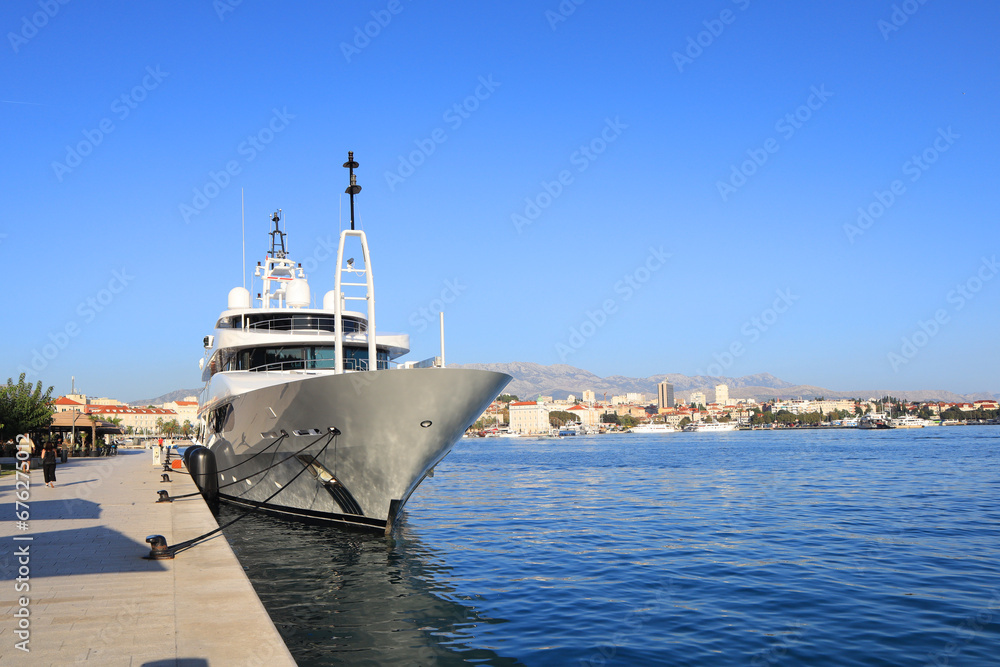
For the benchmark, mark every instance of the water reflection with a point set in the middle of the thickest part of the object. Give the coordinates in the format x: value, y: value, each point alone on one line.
x: 338, y: 596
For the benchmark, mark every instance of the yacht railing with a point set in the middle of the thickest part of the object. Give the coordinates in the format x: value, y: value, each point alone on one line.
x: 319, y: 364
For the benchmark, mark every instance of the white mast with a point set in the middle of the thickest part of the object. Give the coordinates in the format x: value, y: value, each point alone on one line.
x: 369, y: 285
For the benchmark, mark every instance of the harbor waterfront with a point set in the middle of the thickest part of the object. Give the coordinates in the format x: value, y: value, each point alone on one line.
x: 839, y: 547
x: 79, y: 590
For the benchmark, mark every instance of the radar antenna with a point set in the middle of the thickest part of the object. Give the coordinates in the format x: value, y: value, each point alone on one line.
x: 277, y: 238
x: 353, y: 188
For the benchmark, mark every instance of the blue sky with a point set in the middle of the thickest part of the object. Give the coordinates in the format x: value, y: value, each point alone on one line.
x: 631, y: 188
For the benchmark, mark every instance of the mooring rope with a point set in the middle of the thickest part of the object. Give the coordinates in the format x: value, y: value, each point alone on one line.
x: 273, y: 465
x: 192, y: 542
x: 247, y: 460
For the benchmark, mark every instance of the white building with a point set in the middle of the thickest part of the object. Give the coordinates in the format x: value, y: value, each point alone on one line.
x: 141, y: 420
x: 698, y: 398
x: 588, y: 415
x: 186, y: 409
x: 589, y: 398
x: 529, y: 417
x: 629, y: 398
x: 721, y: 393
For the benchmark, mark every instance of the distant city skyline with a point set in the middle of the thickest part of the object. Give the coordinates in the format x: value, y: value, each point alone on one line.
x: 723, y: 191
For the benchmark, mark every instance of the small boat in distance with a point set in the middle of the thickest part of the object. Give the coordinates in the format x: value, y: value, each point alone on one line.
x: 874, y: 420
x: 909, y: 421
x: 653, y: 428
x: 710, y: 427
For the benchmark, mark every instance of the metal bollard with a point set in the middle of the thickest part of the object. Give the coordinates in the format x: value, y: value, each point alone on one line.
x: 159, y: 549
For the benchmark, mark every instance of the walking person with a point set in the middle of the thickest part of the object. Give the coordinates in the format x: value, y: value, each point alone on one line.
x: 49, y: 464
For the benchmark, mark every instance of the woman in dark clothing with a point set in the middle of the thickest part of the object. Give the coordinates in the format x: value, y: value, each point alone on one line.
x: 49, y: 464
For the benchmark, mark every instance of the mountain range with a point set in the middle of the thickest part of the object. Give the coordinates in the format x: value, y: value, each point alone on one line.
x: 560, y: 380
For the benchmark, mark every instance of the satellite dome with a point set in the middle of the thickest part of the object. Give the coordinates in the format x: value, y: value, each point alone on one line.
x: 239, y: 297
x: 297, y: 294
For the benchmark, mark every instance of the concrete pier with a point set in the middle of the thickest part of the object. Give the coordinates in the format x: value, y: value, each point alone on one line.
x: 89, y: 595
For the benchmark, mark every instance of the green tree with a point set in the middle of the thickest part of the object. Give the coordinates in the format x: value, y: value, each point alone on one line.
x: 785, y: 417
x: 481, y: 424
x: 610, y: 418
x: 93, y: 419
x: 24, y: 408
x: 506, y: 398
x: 628, y: 421
x: 560, y: 417
x: 684, y: 422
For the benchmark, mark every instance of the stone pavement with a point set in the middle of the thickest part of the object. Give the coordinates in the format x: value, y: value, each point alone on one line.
x: 90, y: 596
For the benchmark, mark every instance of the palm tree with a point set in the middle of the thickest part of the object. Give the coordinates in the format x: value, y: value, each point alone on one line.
x: 186, y: 428
x: 93, y: 418
x: 159, y: 425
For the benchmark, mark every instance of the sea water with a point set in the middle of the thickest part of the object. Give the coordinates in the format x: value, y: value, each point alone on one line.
x: 820, y: 547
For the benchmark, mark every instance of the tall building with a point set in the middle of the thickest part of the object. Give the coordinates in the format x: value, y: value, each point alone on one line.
x: 588, y: 397
x: 697, y: 397
x: 665, y: 395
x: 721, y: 393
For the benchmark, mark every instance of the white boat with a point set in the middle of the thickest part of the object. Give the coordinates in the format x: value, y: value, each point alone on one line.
x: 909, y: 421
x: 653, y: 428
x: 710, y: 427
x: 874, y: 420
x: 305, y: 412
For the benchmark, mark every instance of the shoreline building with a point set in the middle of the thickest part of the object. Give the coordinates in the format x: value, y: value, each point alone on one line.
x: 721, y: 393
x: 528, y: 417
x: 665, y: 395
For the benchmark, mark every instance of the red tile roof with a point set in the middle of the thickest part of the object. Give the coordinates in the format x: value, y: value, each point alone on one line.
x: 62, y: 400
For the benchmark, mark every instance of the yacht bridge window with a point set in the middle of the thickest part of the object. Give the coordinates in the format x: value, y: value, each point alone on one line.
x: 298, y: 357
x: 286, y: 322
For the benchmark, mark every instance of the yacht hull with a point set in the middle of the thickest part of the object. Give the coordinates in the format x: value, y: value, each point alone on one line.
x: 277, y: 446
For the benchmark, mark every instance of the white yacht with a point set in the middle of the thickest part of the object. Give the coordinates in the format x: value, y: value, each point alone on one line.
x: 909, y: 421
x: 653, y: 428
x: 306, y: 414
x: 710, y: 427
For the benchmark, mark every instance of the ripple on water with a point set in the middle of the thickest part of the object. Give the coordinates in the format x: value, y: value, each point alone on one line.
x: 840, y: 547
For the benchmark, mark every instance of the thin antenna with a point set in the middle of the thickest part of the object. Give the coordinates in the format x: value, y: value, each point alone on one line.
x: 243, y: 215
x: 353, y: 188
